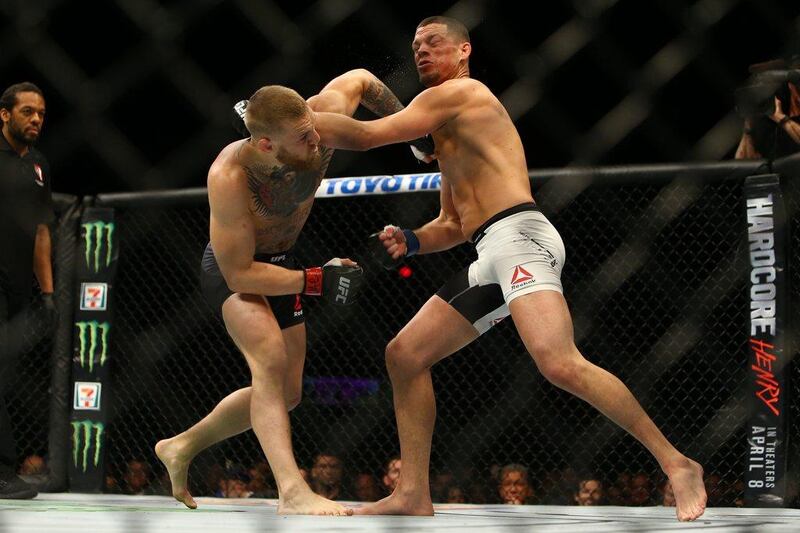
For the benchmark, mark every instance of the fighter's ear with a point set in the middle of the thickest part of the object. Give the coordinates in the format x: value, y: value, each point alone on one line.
x: 264, y: 144
x: 466, y: 50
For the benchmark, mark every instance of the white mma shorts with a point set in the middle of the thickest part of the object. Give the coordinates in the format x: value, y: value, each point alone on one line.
x: 519, y: 252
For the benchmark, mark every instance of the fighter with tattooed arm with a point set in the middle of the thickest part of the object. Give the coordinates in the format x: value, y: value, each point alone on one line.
x: 261, y: 190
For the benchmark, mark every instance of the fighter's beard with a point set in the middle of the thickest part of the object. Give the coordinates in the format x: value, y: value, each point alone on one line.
x: 313, y: 162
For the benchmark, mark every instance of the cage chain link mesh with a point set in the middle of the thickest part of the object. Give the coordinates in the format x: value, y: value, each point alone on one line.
x: 659, y: 298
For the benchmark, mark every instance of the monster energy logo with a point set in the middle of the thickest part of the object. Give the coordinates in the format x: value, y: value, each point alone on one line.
x: 92, y: 342
x: 82, y: 442
x: 94, y: 233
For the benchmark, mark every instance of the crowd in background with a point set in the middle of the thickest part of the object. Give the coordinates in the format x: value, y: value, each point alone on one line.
x: 512, y: 484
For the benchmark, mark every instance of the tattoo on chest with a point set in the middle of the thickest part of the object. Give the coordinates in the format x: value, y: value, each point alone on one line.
x: 282, y: 235
x: 277, y: 191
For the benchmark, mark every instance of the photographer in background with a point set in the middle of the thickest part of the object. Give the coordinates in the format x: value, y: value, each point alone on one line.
x: 770, y: 106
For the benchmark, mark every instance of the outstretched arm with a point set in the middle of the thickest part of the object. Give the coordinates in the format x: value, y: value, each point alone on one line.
x: 344, y: 94
x: 430, y: 110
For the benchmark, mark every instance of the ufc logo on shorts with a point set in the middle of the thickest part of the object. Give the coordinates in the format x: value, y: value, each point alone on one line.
x: 343, y: 289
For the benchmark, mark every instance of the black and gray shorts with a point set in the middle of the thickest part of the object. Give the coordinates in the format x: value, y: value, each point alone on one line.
x: 288, y: 309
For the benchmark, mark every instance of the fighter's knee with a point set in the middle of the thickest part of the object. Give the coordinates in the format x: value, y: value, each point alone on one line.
x: 268, y: 356
x: 393, y: 354
x: 561, y: 370
x: 398, y: 356
x: 557, y: 373
x: 292, y: 392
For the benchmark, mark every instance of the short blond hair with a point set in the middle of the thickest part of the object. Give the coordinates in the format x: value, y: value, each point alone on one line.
x: 270, y: 107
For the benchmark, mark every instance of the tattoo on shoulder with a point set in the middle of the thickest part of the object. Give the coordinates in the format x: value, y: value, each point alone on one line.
x: 379, y: 99
x: 279, y: 190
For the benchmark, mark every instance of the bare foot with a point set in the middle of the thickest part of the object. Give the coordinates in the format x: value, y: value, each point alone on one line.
x: 306, y: 502
x: 395, y: 504
x: 690, y: 492
x: 178, y: 468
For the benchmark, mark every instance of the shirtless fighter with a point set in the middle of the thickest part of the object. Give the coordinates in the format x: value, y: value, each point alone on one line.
x: 485, y: 199
x: 261, y: 190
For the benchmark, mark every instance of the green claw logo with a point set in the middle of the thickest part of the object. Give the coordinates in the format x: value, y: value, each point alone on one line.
x: 92, y: 342
x: 94, y: 234
x: 82, y: 442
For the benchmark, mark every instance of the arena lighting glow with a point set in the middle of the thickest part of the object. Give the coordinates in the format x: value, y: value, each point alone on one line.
x: 405, y: 271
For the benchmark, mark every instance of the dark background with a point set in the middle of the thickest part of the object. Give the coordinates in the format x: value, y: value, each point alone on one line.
x: 138, y: 91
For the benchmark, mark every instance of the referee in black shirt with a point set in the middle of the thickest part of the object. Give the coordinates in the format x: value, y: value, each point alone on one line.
x: 25, y: 212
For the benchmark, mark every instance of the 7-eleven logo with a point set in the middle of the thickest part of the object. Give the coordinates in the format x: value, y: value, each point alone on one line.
x: 87, y: 396
x: 520, y: 275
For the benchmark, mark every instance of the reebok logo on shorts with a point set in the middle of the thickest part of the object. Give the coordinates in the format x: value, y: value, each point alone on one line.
x: 521, y: 278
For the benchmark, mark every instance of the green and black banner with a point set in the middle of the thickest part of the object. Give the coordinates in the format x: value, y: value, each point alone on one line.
x: 766, y: 350
x: 92, y: 333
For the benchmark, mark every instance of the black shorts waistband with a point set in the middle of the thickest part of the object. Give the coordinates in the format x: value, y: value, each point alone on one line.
x: 481, y: 231
x: 276, y: 258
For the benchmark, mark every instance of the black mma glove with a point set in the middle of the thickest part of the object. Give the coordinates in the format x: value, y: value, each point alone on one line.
x: 237, y: 118
x: 334, y: 281
x: 423, y: 148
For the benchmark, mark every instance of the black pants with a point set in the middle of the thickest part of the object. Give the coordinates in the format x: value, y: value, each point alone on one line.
x: 11, y: 319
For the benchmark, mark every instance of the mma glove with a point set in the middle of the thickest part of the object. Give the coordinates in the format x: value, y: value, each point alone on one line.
x: 337, y: 283
x: 237, y: 118
x: 423, y: 148
x: 381, y: 253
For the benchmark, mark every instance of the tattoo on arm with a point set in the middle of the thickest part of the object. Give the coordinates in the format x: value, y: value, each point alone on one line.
x: 380, y: 100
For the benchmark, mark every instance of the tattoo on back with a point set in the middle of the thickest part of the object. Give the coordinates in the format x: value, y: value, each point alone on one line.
x: 277, y: 191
